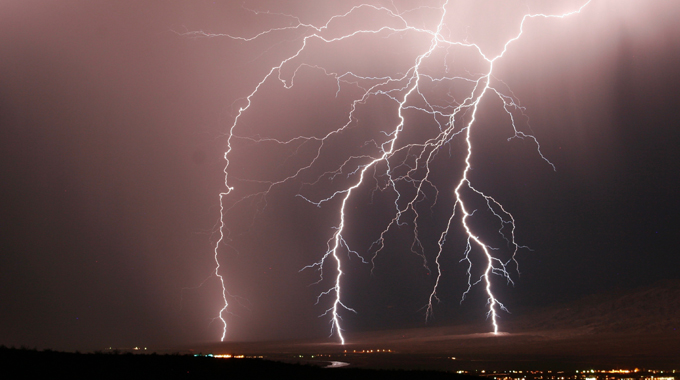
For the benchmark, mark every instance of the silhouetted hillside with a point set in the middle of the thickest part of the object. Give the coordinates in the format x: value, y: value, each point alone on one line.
x: 33, y: 364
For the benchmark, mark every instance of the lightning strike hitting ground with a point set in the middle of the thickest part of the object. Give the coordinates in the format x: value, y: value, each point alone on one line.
x: 401, y: 166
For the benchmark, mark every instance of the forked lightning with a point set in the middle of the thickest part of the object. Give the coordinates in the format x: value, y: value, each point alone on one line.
x: 411, y: 91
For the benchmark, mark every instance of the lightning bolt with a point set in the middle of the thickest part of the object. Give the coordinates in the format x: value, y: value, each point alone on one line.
x: 394, y: 165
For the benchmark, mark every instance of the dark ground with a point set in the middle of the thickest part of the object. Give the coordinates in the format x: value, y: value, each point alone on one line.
x: 33, y: 364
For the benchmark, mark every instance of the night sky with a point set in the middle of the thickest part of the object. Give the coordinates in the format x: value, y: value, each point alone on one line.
x: 114, y: 120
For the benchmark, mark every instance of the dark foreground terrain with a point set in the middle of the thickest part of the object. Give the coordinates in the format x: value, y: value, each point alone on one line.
x: 34, y: 364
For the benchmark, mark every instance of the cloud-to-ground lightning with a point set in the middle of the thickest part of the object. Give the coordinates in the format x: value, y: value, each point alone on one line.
x: 402, y: 166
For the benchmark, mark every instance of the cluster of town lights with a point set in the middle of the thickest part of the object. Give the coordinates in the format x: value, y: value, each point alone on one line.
x: 590, y: 374
x: 367, y: 351
x: 228, y: 356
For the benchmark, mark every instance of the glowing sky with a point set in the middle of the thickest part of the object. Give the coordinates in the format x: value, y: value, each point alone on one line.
x: 113, y: 129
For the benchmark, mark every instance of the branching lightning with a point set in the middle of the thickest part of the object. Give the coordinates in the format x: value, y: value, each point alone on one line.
x: 394, y: 164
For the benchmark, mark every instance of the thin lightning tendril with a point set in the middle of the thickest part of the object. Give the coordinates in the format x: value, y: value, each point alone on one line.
x: 408, y: 87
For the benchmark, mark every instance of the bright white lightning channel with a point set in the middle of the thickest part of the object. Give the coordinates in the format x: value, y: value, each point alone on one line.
x: 401, y: 89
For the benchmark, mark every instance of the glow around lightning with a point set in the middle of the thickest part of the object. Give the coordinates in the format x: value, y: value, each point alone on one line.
x: 409, y: 90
